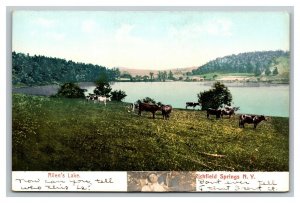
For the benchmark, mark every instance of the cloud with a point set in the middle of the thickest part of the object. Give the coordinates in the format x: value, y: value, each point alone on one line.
x: 124, y: 38
x: 57, y: 36
x: 50, y: 36
x: 47, y: 23
x: 88, y: 26
x: 215, y: 27
x: 220, y: 27
x: 124, y: 32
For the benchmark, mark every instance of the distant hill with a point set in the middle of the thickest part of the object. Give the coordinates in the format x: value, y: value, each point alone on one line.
x: 258, y: 63
x: 142, y: 72
x: 135, y: 71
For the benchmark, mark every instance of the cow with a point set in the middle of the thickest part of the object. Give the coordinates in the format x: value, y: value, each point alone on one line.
x: 229, y: 111
x: 193, y: 104
x: 91, y: 97
x: 148, y: 107
x: 165, y: 111
x: 251, y: 119
x: 103, y: 99
x: 216, y: 112
x: 132, y: 107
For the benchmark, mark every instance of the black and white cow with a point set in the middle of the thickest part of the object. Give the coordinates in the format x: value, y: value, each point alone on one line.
x: 251, y: 119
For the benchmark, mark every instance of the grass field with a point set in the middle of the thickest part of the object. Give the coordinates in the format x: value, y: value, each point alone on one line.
x: 210, y: 75
x: 72, y: 134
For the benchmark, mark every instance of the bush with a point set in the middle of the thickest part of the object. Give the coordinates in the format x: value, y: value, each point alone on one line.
x: 146, y: 100
x: 118, y: 95
x: 70, y: 90
x: 215, y: 97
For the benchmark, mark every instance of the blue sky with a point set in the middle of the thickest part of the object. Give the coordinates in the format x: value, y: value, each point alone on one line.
x: 147, y: 39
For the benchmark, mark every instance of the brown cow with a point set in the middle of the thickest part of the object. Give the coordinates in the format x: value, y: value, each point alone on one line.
x: 251, y: 119
x: 148, y: 107
x: 216, y: 112
x: 166, y: 110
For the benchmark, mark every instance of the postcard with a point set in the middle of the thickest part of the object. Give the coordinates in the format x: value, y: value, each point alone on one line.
x: 150, y: 100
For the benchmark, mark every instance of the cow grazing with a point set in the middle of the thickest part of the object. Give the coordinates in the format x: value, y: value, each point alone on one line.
x: 192, y: 104
x: 91, y: 97
x: 229, y: 111
x: 103, y: 99
x: 216, y: 112
x: 251, y: 119
x: 148, y: 107
x: 166, y: 110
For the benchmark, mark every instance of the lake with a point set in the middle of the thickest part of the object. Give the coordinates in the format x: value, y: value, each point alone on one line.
x: 252, y: 98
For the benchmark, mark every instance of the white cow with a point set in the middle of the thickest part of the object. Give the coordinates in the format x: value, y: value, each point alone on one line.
x: 132, y: 107
x: 103, y: 99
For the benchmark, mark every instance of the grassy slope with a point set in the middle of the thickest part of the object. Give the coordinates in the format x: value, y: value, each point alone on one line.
x: 65, y: 134
x: 210, y: 76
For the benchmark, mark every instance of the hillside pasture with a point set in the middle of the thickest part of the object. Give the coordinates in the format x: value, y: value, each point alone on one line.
x: 53, y: 134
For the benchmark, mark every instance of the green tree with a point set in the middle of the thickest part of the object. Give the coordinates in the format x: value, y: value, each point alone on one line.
x: 118, y: 95
x: 267, y: 71
x: 126, y: 75
x: 160, y: 75
x: 171, y: 75
x: 257, y: 71
x: 165, y: 75
x: 146, y: 100
x: 70, y: 90
x: 138, y: 78
x: 151, y: 76
x: 188, y: 73
x: 115, y: 73
x: 145, y: 78
x: 102, y: 86
x: 215, y: 97
x: 275, y: 71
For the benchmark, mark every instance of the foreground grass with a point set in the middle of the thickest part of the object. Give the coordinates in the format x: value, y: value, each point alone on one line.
x: 71, y: 134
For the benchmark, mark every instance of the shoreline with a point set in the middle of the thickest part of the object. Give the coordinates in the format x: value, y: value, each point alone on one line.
x: 207, y: 82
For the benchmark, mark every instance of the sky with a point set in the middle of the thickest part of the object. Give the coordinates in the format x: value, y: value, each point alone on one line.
x: 154, y: 40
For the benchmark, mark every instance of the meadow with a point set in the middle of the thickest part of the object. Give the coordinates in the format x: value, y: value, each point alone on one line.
x: 54, y: 134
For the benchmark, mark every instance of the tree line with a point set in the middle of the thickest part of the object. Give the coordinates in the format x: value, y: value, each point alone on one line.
x: 161, y: 76
x: 250, y: 62
x: 103, y: 88
x: 41, y: 70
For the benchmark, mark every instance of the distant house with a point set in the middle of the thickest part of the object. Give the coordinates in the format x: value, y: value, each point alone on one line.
x: 196, y: 78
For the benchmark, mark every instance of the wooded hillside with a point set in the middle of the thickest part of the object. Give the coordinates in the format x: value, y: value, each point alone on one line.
x: 251, y: 62
x: 40, y: 70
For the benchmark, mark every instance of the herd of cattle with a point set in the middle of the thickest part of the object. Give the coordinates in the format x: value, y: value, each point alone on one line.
x: 167, y: 109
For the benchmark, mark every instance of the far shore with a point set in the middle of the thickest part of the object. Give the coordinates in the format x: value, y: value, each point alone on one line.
x: 51, y: 89
x: 239, y: 83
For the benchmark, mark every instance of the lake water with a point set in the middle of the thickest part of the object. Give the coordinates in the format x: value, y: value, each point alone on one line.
x: 271, y: 100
